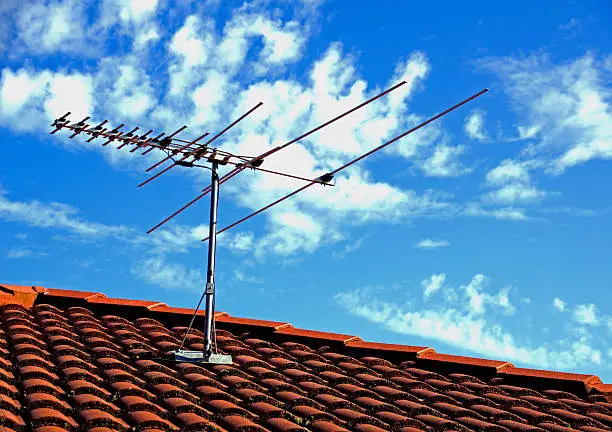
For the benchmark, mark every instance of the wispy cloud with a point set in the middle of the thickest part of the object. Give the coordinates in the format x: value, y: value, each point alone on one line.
x: 428, y: 243
x: 470, y: 321
x: 568, y: 104
x: 173, y: 276
x: 24, y: 252
x: 54, y: 215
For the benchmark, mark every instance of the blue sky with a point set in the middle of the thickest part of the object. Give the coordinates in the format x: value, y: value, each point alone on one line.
x: 485, y: 234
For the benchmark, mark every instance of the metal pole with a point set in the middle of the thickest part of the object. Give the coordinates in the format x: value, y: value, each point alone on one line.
x: 210, y: 276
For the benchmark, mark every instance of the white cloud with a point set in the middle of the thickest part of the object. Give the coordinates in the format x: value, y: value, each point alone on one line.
x: 246, y: 278
x: 53, y: 215
x: 47, y: 26
x: 508, y: 171
x: 29, y: 100
x: 559, y: 304
x: 512, y: 184
x: 23, y: 252
x: 474, y: 126
x: 569, y: 104
x: 428, y: 243
x: 586, y: 314
x: 505, y: 213
x: 433, y: 284
x: 463, y: 326
x: 444, y: 162
x: 172, y: 276
x: 514, y: 193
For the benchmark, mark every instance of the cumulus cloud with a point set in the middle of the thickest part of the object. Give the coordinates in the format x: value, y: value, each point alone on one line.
x: 48, y: 26
x: 433, y: 284
x: 511, y: 184
x: 29, y: 99
x: 444, y: 162
x: 559, y: 304
x: 586, y: 314
x: 474, y: 126
x: 428, y: 243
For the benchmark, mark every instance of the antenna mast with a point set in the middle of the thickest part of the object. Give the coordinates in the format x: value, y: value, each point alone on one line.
x: 184, y: 153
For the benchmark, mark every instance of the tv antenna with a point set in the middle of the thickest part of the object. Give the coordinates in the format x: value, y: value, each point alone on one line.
x: 192, y: 153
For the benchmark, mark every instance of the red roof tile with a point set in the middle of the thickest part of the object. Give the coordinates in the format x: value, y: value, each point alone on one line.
x: 78, y: 359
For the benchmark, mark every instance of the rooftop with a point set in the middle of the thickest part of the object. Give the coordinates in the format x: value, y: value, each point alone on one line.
x: 74, y: 360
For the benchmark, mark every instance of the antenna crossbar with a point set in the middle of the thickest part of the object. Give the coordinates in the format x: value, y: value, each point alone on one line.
x: 258, y: 160
x: 331, y: 174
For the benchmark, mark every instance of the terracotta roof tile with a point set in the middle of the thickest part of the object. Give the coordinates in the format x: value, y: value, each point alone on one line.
x: 283, y: 379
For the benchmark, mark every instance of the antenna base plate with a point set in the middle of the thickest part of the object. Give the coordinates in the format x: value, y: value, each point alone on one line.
x: 200, y: 357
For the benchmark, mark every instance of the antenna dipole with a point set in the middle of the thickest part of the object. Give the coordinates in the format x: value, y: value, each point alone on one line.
x: 189, y: 154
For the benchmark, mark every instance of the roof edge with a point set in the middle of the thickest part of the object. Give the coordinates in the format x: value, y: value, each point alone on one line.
x: 18, y: 294
x: 27, y: 296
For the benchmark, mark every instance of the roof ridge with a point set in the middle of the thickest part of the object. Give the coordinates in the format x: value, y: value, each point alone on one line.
x: 427, y: 357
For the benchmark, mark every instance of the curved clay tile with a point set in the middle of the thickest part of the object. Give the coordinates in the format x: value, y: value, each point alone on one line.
x: 180, y: 405
x: 118, y: 375
x: 77, y: 309
x: 50, y: 417
x: 197, y: 380
x: 166, y: 391
x: 209, y: 393
x: 60, y: 331
x: 279, y: 424
x: 83, y: 387
x: 282, y: 363
x: 236, y: 422
x: 90, y: 401
x: 109, y: 352
x: 314, y: 389
x: 326, y: 426
x: 62, y: 350
x: 41, y: 386
x: 190, y: 422
x: 78, y: 373
x: 33, y: 372
x: 33, y: 360
x: 137, y: 403
x: 24, y: 338
x: 151, y: 366
x: 266, y: 410
x: 129, y: 389
x: 93, y: 418
x: 68, y: 361
x: 440, y: 423
x: 249, y: 361
x: 157, y: 377
x: 187, y: 368
x: 480, y: 425
x: 14, y: 329
x: 106, y: 363
x: 46, y: 400
x: 12, y: 420
x: 251, y: 395
x: 264, y: 372
x: 9, y: 404
x: 146, y: 419
x: 97, y: 341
